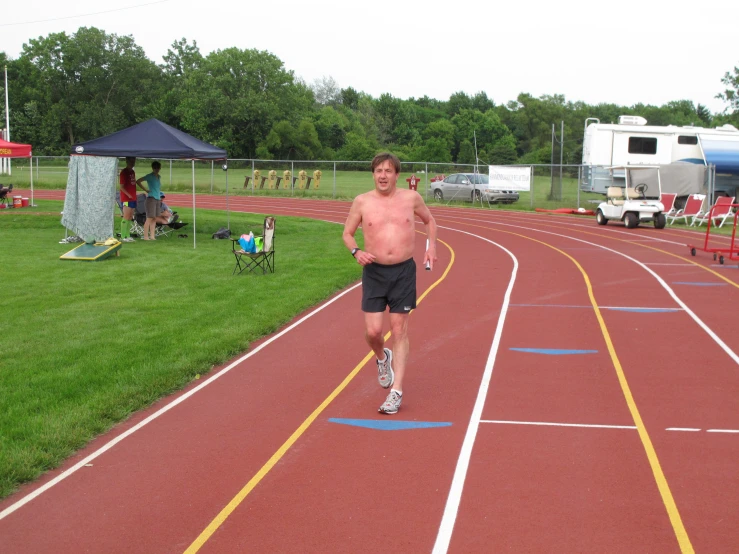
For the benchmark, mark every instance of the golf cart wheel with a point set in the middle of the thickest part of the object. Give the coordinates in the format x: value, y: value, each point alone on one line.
x: 631, y: 220
x: 600, y: 218
x: 692, y: 251
x: 438, y: 195
x: 715, y: 256
x: 721, y: 260
x: 660, y: 221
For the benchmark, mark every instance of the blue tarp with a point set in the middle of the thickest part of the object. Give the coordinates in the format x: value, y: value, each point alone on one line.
x: 721, y: 152
x: 150, y: 139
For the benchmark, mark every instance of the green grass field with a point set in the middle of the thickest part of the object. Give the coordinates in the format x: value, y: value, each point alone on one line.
x: 86, y: 344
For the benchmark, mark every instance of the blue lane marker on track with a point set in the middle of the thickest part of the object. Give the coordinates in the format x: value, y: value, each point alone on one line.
x: 554, y: 351
x: 389, y: 424
x: 699, y: 284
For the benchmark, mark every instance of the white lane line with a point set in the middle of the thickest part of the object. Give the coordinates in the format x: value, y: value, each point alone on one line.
x: 590, y: 307
x: 722, y: 430
x: 26, y: 499
x: 446, y: 527
x: 725, y: 347
x: 689, y: 429
x: 549, y: 424
x: 598, y: 426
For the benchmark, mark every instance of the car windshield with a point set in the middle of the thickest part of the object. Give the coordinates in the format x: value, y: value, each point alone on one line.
x: 478, y: 179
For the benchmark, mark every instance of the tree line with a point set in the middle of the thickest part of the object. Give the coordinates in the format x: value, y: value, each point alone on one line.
x: 65, y: 89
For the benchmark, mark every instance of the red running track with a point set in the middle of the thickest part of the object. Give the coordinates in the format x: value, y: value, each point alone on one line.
x: 628, y: 446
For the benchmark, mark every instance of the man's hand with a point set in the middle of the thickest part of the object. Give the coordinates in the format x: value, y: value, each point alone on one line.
x: 364, y: 258
x: 429, y: 258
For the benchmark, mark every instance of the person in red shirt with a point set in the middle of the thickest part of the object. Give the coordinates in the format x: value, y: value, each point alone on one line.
x: 128, y: 197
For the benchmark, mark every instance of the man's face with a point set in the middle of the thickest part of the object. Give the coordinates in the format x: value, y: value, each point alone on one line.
x: 385, y: 177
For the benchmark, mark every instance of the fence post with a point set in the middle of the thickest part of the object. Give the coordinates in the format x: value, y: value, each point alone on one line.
x: 334, y: 193
x: 252, y: 177
x: 211, y: 176
x: 531, y: 195
x: 170, y: 174
x: 426, y: 194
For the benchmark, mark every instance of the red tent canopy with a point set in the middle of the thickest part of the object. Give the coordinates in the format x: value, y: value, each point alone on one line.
x: 13, y: 150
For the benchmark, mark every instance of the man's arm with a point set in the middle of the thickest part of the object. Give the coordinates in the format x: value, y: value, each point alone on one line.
x: 422, y: 211
x: 350, y: 228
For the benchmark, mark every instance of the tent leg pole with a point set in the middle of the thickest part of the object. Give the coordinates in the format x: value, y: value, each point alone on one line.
x: 194, y: 242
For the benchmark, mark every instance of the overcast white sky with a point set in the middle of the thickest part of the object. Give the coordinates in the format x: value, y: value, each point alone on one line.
x: 616, y: 52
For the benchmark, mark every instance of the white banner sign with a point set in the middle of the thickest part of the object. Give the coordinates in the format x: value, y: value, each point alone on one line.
x: 505, y: 177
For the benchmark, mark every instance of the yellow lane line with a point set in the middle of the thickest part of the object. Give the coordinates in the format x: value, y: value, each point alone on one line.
x: 265, y: 469
x: 664, y: 489
x: 679, y: 257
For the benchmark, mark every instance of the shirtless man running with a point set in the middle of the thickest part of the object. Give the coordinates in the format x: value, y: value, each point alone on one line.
x: 387, y: 215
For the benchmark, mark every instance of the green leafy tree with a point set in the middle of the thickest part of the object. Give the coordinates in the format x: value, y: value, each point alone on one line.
x: 350, y: 98
x: 731, y: 93
x: 466, y: 153
x: 235, y: 97
x: 86, y: 85
x: 331, y: 126
x: 457, y: 102
x: 357, y: 148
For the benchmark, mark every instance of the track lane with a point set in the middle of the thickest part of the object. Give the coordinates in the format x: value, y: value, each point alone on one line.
x: 327, y: 209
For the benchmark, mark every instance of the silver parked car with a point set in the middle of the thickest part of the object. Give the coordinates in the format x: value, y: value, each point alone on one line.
x: 469, y: 187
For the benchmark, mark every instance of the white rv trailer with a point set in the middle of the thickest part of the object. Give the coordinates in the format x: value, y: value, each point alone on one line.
x: 632, y: 142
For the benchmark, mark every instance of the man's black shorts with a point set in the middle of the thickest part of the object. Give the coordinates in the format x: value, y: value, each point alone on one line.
x: 393, y: 285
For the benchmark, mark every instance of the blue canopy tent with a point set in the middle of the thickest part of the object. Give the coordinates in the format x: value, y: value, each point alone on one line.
x: 153, y: 139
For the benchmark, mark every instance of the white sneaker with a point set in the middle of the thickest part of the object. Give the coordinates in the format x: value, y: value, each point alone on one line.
x: 385, y: 373
x: 128, y: 239
x: 392, y: 403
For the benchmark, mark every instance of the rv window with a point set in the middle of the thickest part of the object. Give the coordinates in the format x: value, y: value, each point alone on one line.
x: 682, y: 139
x: 642, y: 145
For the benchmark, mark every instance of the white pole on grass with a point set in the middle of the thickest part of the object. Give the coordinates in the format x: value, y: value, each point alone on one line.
x: 7, y: 117
x: 228, y: 212
x: 194, y: 243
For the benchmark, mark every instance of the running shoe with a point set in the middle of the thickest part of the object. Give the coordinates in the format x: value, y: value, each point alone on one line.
x: 385, y: 374
x: 392, y: 403
x: 128, y: 239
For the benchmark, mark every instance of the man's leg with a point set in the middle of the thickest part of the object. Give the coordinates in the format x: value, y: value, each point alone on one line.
x: 126, y: 222
x: 373, y: 333
x: 401, y: 347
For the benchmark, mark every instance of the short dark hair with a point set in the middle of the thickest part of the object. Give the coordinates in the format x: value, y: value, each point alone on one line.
x: 384, y: 157
x: 130, y: 159
x: 156, y: 165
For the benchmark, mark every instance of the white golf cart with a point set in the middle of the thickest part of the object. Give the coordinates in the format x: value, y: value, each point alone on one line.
x: 633, y: 203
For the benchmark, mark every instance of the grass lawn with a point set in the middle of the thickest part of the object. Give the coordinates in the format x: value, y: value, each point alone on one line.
x: 86, y: 344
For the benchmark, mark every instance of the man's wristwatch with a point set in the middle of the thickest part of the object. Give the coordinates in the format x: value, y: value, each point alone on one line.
x: 354, y: 251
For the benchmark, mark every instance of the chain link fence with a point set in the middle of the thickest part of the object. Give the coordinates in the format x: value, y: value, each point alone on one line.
x: 551, y: 186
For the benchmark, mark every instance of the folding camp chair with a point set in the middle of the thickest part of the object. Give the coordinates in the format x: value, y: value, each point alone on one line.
x: 265, y: 259
x: 719, y: 211
x: 692, y: 208
x: 5, y: 197
x: 668, y: 201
